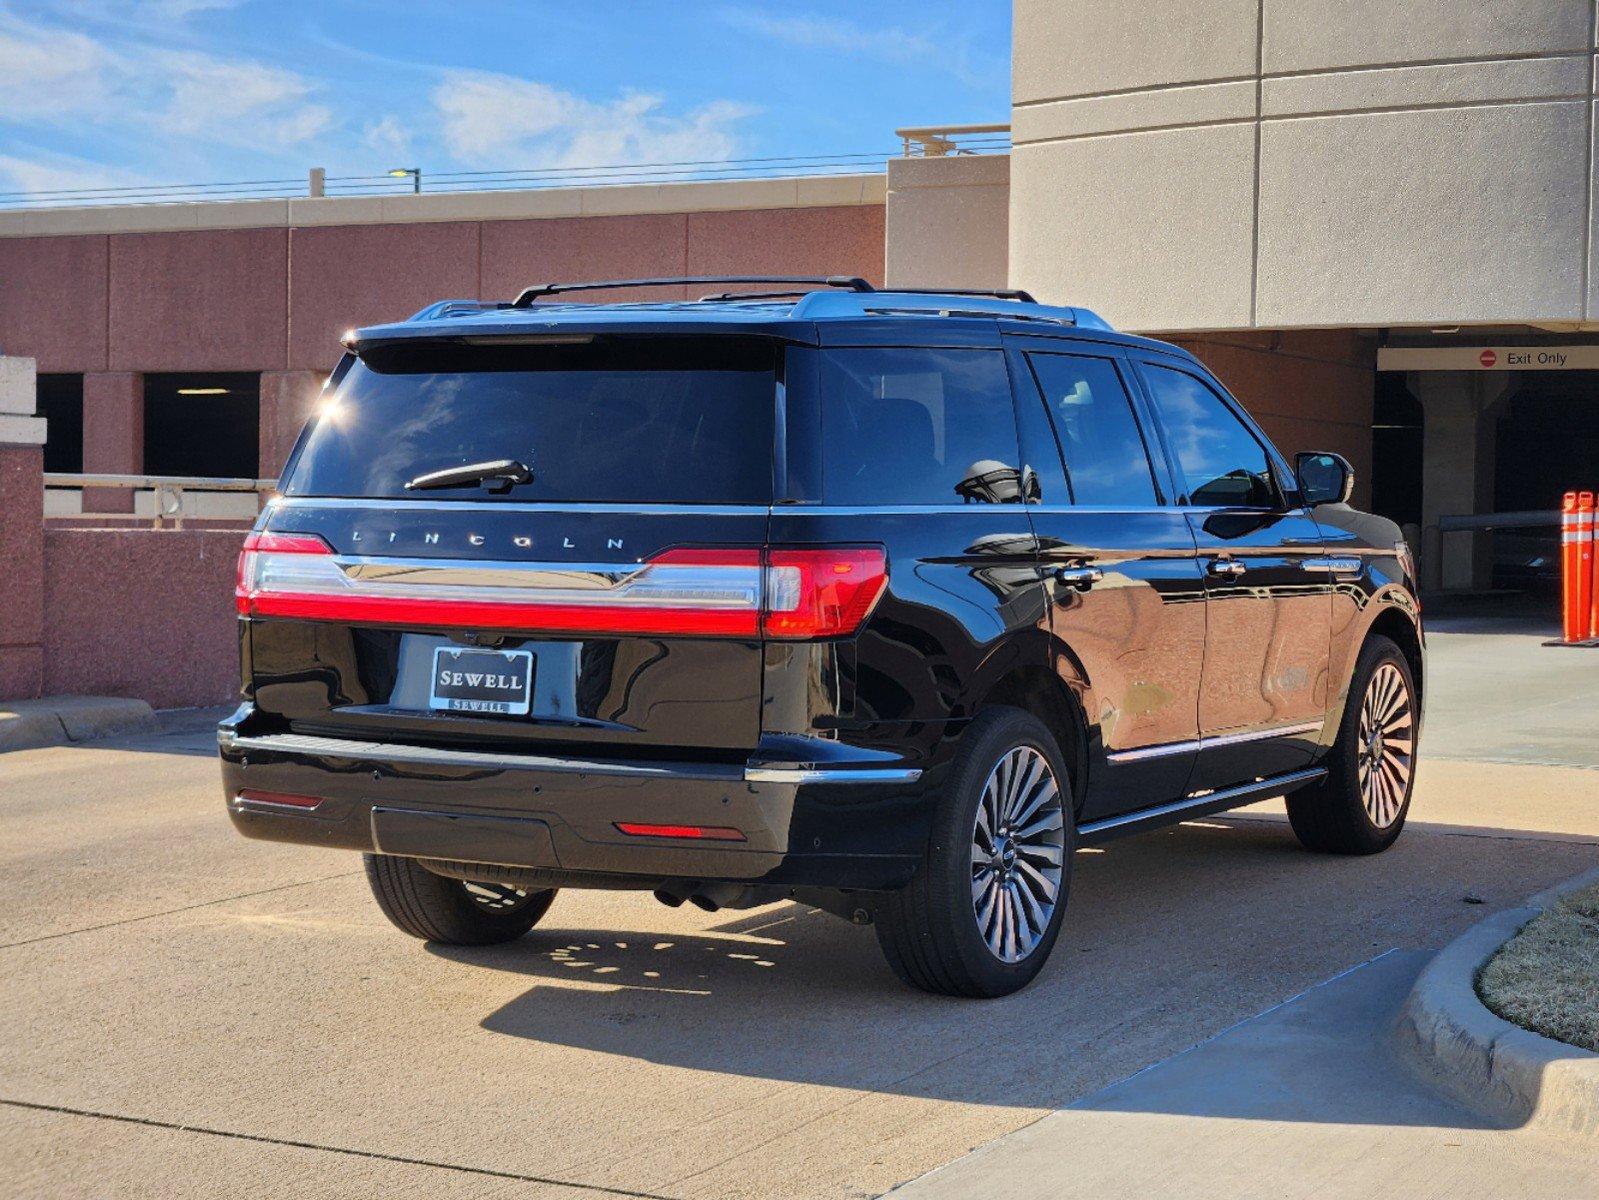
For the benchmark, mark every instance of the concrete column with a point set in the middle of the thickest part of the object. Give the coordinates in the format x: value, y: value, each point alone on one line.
x: 21, y: 533
x: 113, y: 436
x: 288, y: 398
x: 1459, y: 414
x: 947, y: 221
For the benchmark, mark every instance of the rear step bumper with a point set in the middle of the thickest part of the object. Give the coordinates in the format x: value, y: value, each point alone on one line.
x: 816, y: 825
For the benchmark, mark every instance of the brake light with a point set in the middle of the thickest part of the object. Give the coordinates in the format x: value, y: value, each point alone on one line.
x: 258, y: 563
x: 821, y: 593
x: 705, y: 833
x: 809, y: 593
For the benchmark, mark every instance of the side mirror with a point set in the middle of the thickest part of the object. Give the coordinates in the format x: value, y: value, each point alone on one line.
x: 1324, y: 478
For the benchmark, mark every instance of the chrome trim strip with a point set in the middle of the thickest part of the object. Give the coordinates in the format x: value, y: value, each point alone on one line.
x: 1199, y: 805
x: 1158, y: 750
x: 1332, y: 566
x: 832, y: 774
x: 395, y: 752
x: 1163, y: 749
x: 479, y: 505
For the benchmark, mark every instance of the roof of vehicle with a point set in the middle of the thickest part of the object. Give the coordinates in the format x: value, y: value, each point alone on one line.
x: 832, y: 311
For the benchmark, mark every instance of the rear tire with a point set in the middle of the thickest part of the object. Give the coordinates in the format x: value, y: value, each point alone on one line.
x: 1360, y: 807
x: 454, y: 912
x: 985, y: 906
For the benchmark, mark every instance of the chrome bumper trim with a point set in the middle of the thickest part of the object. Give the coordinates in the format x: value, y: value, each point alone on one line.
x: 397, y: 752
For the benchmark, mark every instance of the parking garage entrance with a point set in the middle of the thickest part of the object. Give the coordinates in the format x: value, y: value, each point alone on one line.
x: 1495, y: 435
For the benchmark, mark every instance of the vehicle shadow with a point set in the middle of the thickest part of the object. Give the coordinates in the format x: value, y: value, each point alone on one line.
x: 1170, y: 939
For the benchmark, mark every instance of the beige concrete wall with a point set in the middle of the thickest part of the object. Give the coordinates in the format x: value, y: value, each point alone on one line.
x: 946, y: 221
x: 1228, y: 164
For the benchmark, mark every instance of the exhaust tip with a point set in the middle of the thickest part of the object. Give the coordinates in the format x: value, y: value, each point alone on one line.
x: 670, y: 899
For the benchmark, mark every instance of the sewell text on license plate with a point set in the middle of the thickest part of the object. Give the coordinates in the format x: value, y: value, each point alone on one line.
x: 484, y: 681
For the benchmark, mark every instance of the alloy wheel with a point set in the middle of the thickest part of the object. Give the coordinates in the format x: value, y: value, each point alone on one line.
x: 1018, y: 851
x: 1386, y: 751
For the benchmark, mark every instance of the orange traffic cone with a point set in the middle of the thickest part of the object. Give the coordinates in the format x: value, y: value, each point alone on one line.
x: 1585, y: 565
x: 1570, y: 557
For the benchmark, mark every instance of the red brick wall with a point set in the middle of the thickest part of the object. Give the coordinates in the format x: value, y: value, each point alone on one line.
x: 276, y: 299
x: 21, y: 568
x: 146, y: 613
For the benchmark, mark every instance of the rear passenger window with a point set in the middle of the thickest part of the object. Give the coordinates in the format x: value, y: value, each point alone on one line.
x: 1223, y: 464
x: 1106, y: 460
x: 917, y: 427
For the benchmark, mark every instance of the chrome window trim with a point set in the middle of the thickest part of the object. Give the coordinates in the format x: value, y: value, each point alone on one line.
x: 390, y: 503
x: 1165, y: 749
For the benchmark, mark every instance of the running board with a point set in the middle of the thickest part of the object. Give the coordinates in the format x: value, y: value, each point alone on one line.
x: 1142, y: 819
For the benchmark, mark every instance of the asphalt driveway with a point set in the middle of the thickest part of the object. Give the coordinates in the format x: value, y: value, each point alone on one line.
x: 187, y: 1013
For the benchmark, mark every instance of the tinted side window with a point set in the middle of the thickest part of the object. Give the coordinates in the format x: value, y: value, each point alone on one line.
x: 1222, y: 463
x: 1106, y: 461
x: 917, y: 427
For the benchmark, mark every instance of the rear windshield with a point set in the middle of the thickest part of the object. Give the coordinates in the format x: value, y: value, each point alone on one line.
x: 653, y: 421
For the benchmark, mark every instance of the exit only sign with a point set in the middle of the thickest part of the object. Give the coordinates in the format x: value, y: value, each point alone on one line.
x: 1488, y: 358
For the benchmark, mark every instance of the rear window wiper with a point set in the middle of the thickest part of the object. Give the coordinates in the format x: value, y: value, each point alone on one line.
x: 501, y: 474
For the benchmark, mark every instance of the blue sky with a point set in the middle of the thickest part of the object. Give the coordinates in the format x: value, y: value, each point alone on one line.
x: 181, y: 91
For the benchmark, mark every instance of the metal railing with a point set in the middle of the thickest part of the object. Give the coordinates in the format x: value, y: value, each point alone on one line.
x: 318, y: 183
x: 939, y: 141
x: 168, y: 490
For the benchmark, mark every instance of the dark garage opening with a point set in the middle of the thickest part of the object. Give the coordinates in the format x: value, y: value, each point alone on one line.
x: 60, y: 403
x: 202, y: 425
x: 1396, y: 450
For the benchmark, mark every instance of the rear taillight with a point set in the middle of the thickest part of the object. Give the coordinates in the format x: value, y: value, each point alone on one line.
x: 270, y: 561
x: 821, y: 593
x: 811, y: 593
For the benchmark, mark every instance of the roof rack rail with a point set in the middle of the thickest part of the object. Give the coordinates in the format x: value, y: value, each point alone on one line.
x: 851, y: 283
x: 1025, y: 297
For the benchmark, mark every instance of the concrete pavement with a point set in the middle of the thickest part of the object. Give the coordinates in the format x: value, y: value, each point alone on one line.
x: 187, y: 1012
x: 1306, y: 1100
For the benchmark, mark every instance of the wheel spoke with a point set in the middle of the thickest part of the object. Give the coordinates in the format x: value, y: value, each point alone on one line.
x: 1049, y: 819
x: 1044, y: 794
x: 1047, y: 888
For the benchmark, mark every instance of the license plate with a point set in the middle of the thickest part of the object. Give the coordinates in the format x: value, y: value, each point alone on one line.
x: 482, y: 681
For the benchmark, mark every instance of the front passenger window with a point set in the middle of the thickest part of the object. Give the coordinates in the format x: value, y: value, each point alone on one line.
x: 1222, y: 463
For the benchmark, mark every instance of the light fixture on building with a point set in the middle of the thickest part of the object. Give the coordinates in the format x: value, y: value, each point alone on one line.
x: 415, y: 174
x: 203, y: 391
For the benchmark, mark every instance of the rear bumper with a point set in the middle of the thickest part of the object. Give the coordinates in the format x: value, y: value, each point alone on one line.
x: 804, y: 824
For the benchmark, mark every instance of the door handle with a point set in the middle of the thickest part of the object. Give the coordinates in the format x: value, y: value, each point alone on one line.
x: 1081, y: 578
x: 1226, y: 568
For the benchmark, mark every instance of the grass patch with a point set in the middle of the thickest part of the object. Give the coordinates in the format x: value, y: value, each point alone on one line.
x: 1546, y: 978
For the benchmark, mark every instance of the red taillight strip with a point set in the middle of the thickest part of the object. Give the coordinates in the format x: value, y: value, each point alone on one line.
x: 491, y: 614
x: 704, y: 833
x: 799, y: 593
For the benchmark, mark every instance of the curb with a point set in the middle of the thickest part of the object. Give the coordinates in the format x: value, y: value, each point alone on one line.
x: 60, y: 720
x: 1483, y: 1062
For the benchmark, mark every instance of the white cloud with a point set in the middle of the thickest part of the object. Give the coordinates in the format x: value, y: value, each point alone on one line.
x: 61, y: 172
x: 829, y: 33
x: 178, y: 10
x: 54, y: 78
x: 239, y: 103
x: 48, y: 72
x: 504, y: 121
x: 943, y: 49
x: 388, y: 136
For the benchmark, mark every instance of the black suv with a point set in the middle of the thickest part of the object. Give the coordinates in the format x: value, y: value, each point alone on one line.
x: 883, y: 601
